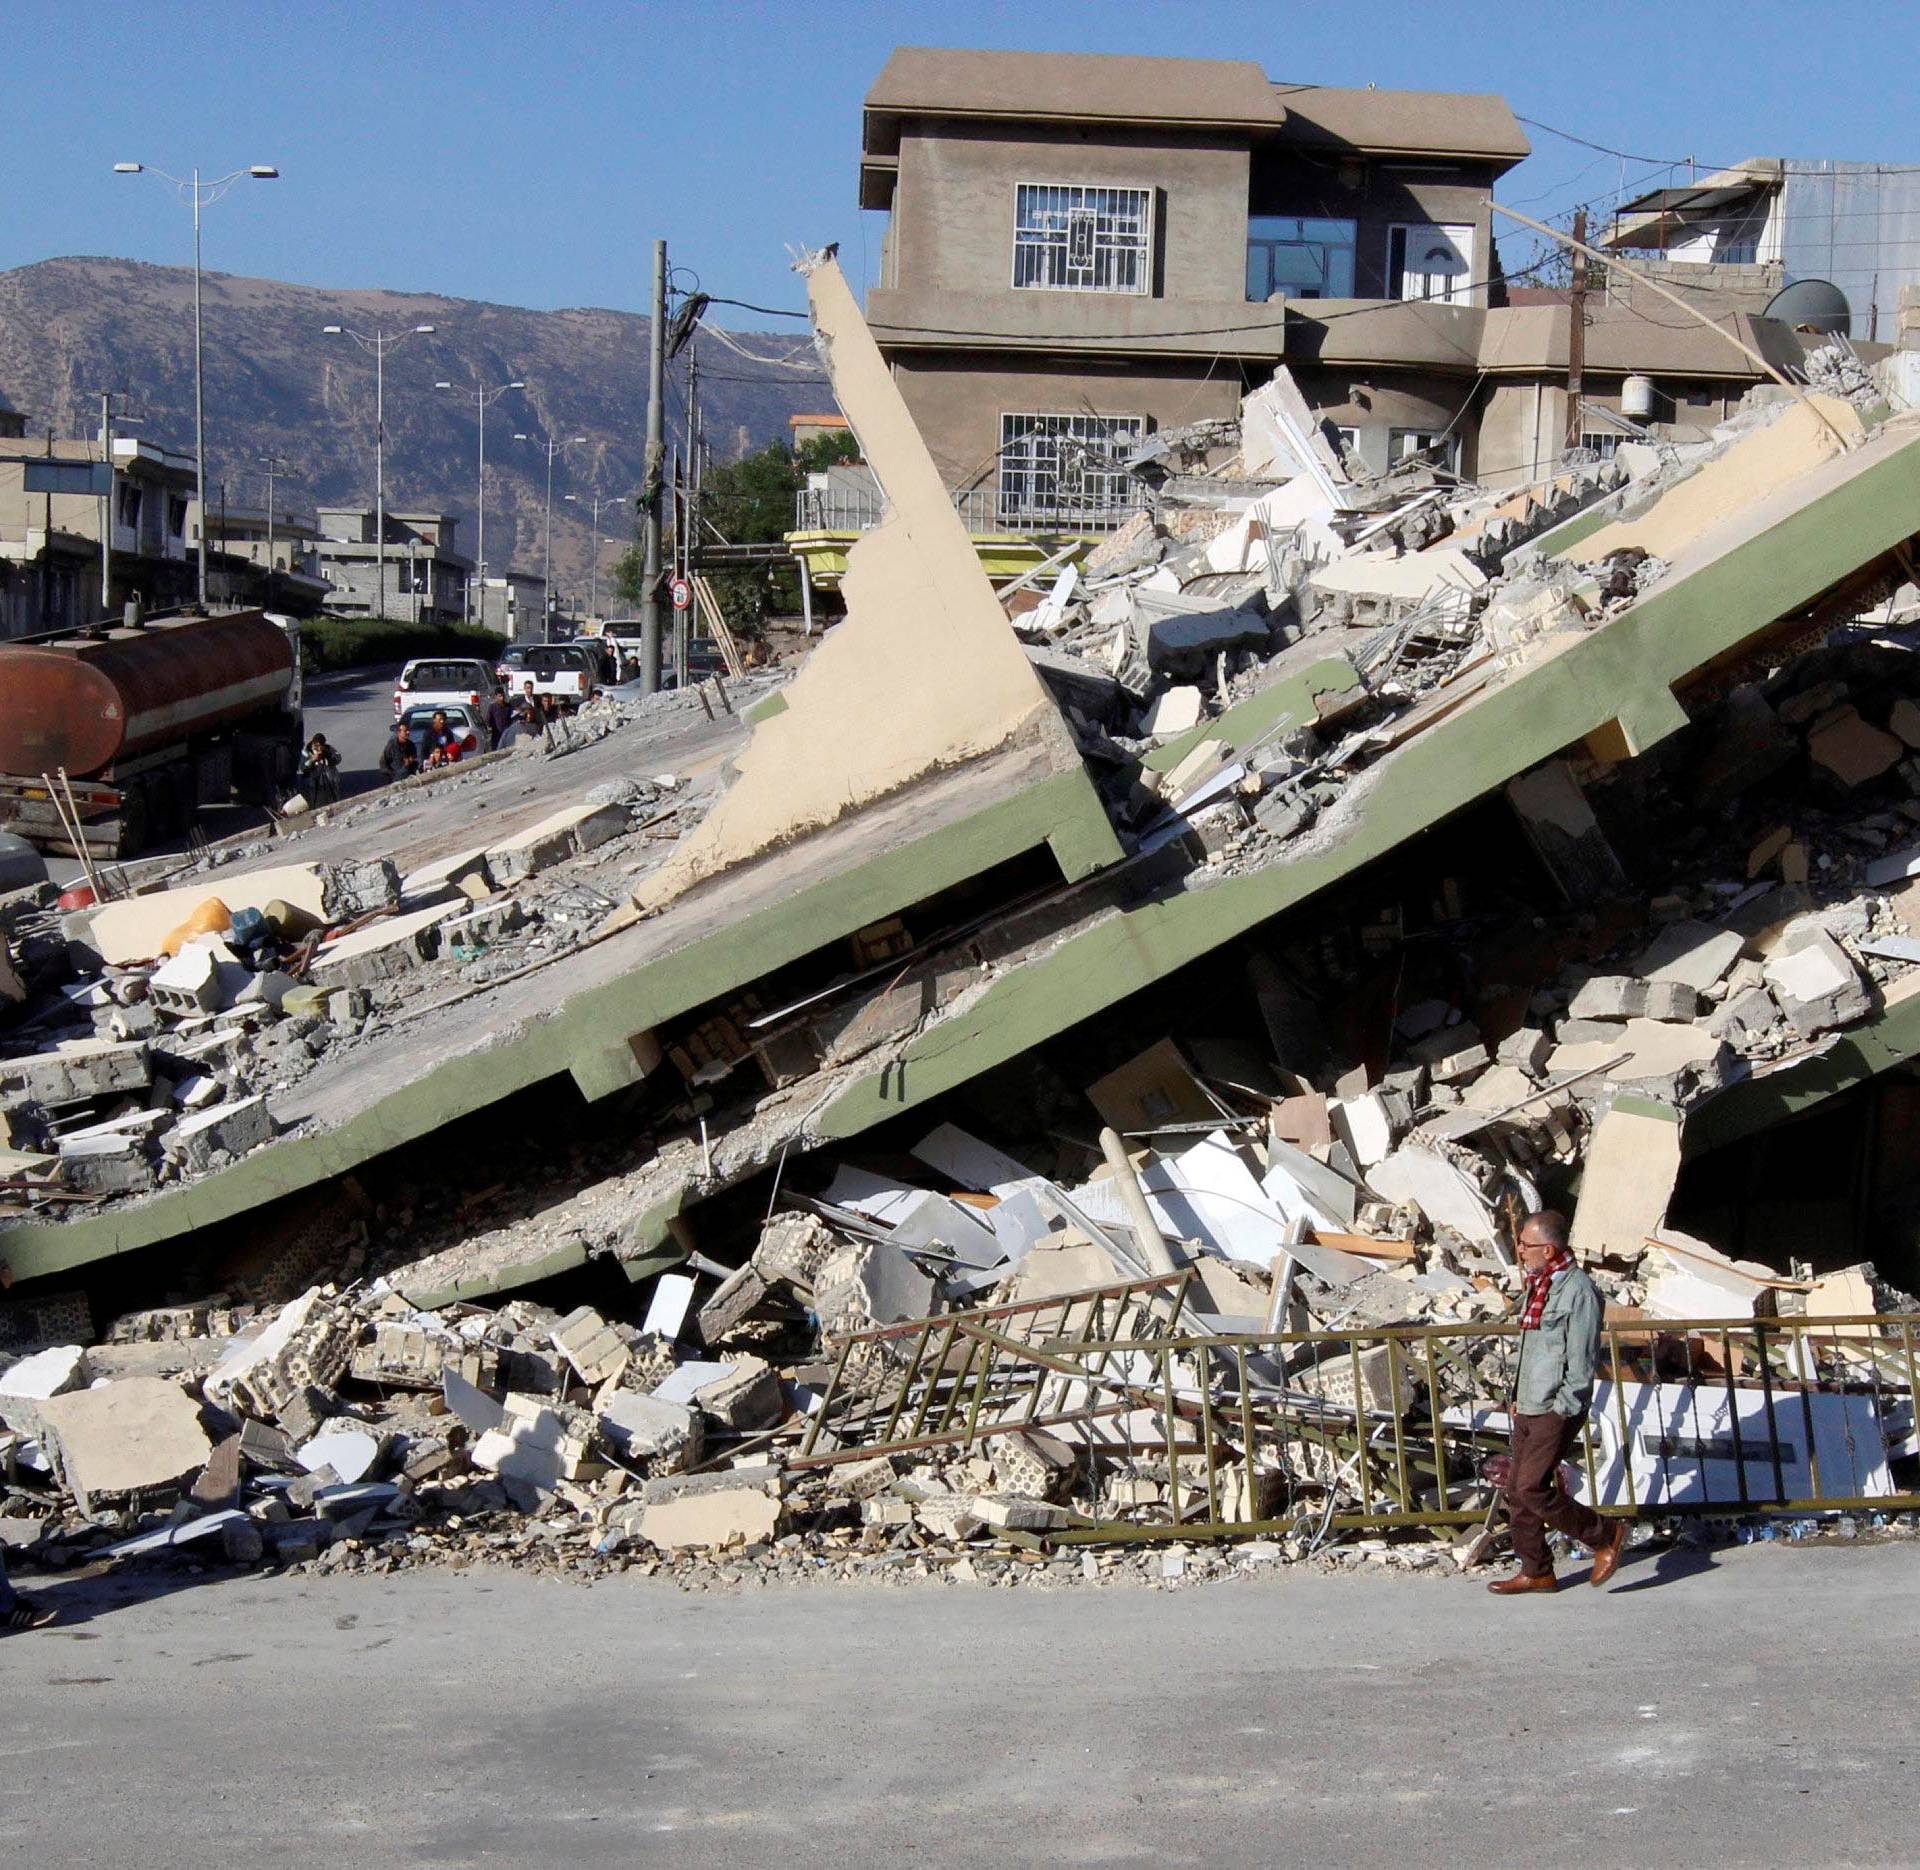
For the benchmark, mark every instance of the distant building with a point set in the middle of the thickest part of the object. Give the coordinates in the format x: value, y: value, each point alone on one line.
x: 52, y: 499
x: 426, y: 578
x: 262, y: 559
x: 1769, y: 223
x: 804, y: 429
x: 513, y: 605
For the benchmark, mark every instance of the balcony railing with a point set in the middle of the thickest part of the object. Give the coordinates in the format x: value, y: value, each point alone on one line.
x: 981, y: 510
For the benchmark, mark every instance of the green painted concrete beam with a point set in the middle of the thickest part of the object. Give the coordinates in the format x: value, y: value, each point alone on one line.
x: 1624, y: 673
x: 587, y: 1033
x: 1890, y: 1037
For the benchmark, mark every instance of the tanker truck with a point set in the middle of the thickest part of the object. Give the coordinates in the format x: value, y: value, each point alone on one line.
x: 150, y: 721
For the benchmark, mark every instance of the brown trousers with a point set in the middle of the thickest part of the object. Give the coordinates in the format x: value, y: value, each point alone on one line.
x: 1535, y: 1498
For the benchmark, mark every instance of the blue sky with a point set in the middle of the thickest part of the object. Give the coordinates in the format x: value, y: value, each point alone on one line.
x: 530, y: 152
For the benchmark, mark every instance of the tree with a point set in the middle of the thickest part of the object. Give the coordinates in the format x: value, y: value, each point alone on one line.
x: 749, y: 502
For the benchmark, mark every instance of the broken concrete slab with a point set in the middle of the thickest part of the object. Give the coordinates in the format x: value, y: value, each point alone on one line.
x: 395, y: 945
x: 710, y: 1510
x: 133, y: 928
x: 655, y: 1435
x: 1173, y: 711
x: 1815, y: 982
x: 361, y: 888
x: 137, y: 1436
x: 78, y: 1069
x: 1441, y: 1190
x: 1632, y: 1164
x: 1851, y: 749
x: 570, y: 832
x: 922, y: 675
x: 51, y: 1372
x: 1690, y: 954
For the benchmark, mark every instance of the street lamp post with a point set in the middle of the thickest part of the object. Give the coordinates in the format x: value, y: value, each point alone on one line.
x: 200, y: 194
x: 483, y: 398
x: 379, y: 343
x: 593, y: 585
x: 551, y: 448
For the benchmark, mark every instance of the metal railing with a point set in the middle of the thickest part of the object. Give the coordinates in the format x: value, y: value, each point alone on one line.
x: 981, y: 509
x: 1176, y: 1434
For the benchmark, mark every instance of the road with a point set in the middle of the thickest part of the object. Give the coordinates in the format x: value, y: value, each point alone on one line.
x: 1746, y: 1707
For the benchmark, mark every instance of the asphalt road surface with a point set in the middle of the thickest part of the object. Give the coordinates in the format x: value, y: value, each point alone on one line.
x: 1752, y: 1706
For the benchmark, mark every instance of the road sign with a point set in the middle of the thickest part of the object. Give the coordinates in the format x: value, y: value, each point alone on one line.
x: 682, y: 593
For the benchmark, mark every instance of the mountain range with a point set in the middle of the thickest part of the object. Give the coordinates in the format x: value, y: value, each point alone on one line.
x: 275, y: 385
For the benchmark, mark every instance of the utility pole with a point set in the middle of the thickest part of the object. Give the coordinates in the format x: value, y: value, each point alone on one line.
x: 1577, y: 330
x: 653, y: 486
x: 106, y: 499
x: 552, y: 448
x: 379, y: 343
x: 274, y: 467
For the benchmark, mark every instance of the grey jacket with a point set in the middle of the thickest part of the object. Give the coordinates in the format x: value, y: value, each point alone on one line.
x: 1557, y: 1360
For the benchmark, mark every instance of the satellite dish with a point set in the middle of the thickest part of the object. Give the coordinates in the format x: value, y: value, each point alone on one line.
x: 1812, y: 304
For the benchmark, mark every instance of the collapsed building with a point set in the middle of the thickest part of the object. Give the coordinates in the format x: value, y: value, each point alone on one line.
x: 1064, y: 1067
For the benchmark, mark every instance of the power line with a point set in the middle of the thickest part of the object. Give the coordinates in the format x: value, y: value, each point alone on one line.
x: 770, y: 311
x: 1675, y: 162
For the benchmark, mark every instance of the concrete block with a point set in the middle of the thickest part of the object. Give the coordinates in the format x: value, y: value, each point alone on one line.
x: 703, y: 1511
x: 1173, y: 712
x: 596, y: 1351
x: 79, y: 1069
x: 1745, y: 1017
x: 350, y: 890
x: 571, y: 831
x: 106, y: 1165
x: 268, y: 989
x: 538, y: 1445
x: 1851, y: 749
x: 347, y: 1006
x: 658, y: 1438
x: 1452, y: 1054
x: 47, y: 1373
x: 871, y: 1284
x: 386, y: 949
x: 492, y: 922
x: 1609, y: 996
x: 235, y: 1127
x: 203, y: 977
x: 137, y: 1436
x: 747, y: 1397
x: 1816, y: 984
x: 1526, y: 1048
x: 737, y: 1298
x: 1364, y: 1125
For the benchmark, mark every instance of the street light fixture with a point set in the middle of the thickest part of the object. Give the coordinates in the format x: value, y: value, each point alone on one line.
x: 380, y: 343
x: 599, y: 502
x: 483, y: 398
x: 551, y: 448
x: 201, y: 195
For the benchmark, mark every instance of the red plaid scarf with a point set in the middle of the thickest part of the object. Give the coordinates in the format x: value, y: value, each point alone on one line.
x: 1538, y: 1286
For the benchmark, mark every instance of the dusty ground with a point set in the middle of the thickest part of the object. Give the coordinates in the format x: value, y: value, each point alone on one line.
x: 1743, y: 1707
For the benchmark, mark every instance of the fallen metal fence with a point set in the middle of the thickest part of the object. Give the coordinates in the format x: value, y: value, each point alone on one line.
x: 1177, y: 1434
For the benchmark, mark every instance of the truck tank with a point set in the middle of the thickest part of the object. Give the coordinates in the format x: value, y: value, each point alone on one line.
x: 90, y: 701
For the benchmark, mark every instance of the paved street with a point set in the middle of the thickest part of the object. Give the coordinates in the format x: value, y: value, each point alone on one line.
x: 1754, y: 1707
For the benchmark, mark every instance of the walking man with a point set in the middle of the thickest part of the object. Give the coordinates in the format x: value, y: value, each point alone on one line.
x: 1559, y: 1350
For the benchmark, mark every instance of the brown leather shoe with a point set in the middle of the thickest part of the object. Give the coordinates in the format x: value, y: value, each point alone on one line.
x: 1522, y: 1582
x: 1606, y: 1555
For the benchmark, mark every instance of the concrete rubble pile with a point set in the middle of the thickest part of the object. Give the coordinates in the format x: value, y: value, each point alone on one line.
x: 1014, y: 1106
x: 149, y: 1035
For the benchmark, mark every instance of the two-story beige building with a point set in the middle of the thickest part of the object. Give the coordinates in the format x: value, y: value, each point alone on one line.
x: 1083, y: 249
x: 55, y: 497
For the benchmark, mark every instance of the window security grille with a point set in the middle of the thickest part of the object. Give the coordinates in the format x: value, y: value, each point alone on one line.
x: 1064, y: 470
x: 1068, y: 238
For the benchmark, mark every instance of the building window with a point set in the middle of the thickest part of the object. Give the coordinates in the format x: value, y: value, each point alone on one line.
x: 1431, y: 263
x: 130, y: 506
x: 177, y: 516
x: 1299, y: 257
x: 1434, y: 447
x: 1603, y: 445
x: 1064, y: 470
x: 1072, y: 239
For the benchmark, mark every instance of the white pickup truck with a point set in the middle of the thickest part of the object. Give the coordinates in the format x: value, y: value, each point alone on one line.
x: 436, y: 681
x: 567, y: 671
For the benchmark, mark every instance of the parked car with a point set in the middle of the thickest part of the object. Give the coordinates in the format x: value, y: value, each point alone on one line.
x: 568, y: 671
x: 441, y: 679
x: 470, y: 723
